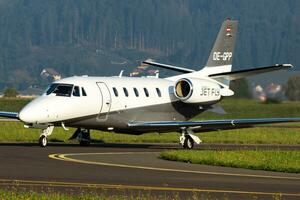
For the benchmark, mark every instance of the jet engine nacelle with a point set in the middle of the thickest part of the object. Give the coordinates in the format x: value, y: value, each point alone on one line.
x: 193, y: 90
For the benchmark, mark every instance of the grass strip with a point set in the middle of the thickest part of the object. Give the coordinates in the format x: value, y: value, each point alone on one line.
x: 17, y: 194
x: 15, y: 132
x: 52, y: 195
x: 13, y: 104
x: 236, y: 108
x: 279, y: 161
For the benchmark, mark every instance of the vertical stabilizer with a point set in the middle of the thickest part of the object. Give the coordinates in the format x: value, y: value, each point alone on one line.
x: 223, y: 49
x: 220, y: 58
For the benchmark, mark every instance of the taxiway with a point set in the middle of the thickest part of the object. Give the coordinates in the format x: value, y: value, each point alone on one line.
x: 137, y: 168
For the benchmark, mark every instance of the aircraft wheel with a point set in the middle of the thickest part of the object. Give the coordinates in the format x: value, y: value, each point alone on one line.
x: 188, y: 143
x: 43, y: 141
x: 84, y: 138
x: 85, y: 143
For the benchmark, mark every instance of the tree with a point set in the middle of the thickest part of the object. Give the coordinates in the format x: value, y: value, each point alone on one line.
x: 292, y: 91
x: 11, y: 92
x: 241, y: 88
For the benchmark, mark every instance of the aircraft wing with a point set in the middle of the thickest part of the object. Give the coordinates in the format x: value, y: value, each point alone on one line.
x: 12, y: 115
x: 249, y: 72
x: 208, y: 125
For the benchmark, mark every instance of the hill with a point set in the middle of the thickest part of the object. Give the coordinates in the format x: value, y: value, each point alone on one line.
x: 101, y: 37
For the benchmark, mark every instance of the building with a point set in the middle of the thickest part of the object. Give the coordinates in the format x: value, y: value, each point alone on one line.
x: 50, y: 72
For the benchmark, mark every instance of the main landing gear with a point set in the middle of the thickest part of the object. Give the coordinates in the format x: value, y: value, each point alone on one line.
x: 187, y: 139
x: 43, y: 140
x: 83, y: 136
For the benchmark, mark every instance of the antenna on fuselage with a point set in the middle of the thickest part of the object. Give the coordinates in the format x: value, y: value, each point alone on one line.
x: 121, y: 73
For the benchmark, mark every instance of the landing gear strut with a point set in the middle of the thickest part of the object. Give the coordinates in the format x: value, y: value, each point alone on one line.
x: 83, y: 136
x: 187, y: 139
x: 43, y: 140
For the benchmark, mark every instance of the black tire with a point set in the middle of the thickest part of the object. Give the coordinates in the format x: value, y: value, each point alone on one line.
x: 84, y: 143
x: 84, y: 138
x: 43, y: 141
x: 188, y: 143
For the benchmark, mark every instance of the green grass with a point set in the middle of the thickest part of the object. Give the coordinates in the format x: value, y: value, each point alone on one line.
x: 243, y: 108
x: 280, y: 161
x: 85, y: 195
x: 15, y: 132
x: 17, y: 194
x: 236, y: 108
x: 13, y: 104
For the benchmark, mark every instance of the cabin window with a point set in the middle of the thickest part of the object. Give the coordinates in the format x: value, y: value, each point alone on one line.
x: 158, y: 92
x: 64, y: 90
x: 76, y: 91
x: 146, y: 92
x: 125, y: 92
x: 136, y: 92
x: 83, y: 92
x: 115, y: 91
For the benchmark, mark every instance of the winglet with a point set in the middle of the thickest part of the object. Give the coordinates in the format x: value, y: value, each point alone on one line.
x: 285, y: 65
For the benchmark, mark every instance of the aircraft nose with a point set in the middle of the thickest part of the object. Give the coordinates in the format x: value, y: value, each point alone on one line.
x: 35, y: 112
x: 27, y: 115
x: 32, y: 113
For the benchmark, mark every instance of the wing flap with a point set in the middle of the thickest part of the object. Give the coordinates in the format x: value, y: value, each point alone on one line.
x: 209, y: 125
x: 249, y: 72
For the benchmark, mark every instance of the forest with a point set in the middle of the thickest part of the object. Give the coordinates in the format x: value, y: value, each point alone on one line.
x: 102, y: 37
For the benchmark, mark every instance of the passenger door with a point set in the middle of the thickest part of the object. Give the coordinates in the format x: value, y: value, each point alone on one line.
x: 106, y: 101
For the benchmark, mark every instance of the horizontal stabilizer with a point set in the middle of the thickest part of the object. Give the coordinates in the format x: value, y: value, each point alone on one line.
x: 249, y: 72
x: 170, y: 67
x: 12, y: 115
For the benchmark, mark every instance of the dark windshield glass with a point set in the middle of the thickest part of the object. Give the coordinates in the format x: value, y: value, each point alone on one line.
x: 60, y: 89
x: 51, y: 89
x: 83, y: 92
x: 76, y: 92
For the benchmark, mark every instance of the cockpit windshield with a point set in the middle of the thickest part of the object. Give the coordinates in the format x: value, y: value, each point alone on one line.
x: 60, y: 89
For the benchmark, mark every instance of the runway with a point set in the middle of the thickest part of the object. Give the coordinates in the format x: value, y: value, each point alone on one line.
x: 134, y: 169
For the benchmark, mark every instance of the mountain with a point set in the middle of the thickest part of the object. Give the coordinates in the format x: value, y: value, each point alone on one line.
x: 101, y: 37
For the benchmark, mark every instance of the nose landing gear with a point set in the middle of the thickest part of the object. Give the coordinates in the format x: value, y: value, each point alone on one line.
x: 43, y: 140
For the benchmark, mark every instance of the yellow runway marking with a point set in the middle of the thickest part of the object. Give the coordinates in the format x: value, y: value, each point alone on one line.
x: 64, y: 157
x: 130, y: 187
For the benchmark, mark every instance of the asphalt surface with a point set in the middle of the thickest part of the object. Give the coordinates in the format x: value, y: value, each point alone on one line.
x: 135, y: 169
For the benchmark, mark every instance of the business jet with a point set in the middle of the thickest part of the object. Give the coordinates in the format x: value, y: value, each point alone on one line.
x: 137, y: 105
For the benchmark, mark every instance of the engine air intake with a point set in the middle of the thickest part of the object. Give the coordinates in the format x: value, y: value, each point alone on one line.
x: 183, y: 89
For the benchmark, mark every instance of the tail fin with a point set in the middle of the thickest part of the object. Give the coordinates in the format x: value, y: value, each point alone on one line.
x: 220, y: 58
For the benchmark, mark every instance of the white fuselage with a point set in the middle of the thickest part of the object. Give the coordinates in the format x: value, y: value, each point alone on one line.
x: 109, y: 103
